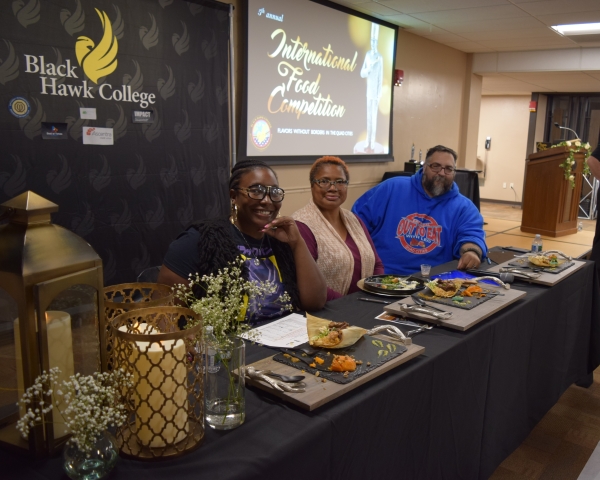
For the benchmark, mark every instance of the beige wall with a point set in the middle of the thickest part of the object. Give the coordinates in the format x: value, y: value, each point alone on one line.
x: 427, y: 111
x: 506, y: 120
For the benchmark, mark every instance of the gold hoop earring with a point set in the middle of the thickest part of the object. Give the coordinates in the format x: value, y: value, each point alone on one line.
x: 234, y: 212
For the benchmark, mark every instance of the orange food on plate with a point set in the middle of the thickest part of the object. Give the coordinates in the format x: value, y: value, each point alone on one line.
x: 471, y: 290
x: 343, y: 363
x: 319, y: 360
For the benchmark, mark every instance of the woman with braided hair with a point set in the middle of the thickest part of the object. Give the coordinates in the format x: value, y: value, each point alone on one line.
x: 272, y: 247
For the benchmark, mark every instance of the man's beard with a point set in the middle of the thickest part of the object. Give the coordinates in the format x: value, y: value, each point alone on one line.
x: 438, y: 185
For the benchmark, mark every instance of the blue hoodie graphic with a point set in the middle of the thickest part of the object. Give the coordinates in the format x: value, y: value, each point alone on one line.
x: 409, y: 227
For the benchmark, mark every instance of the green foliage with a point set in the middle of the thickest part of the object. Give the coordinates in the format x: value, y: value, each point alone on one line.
x: 575, y: 146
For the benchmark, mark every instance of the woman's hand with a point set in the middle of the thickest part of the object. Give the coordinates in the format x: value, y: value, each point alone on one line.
x: 311, y: 283
x: 285, y: 230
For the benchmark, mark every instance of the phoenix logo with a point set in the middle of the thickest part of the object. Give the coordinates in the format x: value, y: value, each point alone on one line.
x: 100, y: 60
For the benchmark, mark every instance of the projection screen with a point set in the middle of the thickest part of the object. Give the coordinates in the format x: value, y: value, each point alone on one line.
x: 318, y: 81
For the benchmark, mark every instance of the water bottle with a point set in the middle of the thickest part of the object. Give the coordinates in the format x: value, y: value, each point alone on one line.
x: 536, y: 246
x: 210, y: 350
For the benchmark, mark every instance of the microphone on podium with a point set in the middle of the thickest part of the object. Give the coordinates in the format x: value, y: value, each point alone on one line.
x: 565, y: 128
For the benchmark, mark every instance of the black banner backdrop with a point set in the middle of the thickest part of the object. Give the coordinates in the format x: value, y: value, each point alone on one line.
x: 65, y: 58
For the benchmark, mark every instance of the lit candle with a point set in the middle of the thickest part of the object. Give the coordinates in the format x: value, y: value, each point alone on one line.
x: 160, y: 386
x: 60, y: 354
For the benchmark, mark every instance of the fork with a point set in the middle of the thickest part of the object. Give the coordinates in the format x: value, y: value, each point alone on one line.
x: 423, y: 303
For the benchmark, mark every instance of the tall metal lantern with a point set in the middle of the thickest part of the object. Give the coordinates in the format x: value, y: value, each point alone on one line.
x: 51, y: 313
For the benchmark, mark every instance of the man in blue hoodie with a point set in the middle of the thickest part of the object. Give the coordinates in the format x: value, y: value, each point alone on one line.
x: 423, y: 218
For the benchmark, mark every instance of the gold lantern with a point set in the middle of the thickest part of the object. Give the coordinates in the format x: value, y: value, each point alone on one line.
x: 166, y: 411
x: 51, y: 313
x: 126, y: 297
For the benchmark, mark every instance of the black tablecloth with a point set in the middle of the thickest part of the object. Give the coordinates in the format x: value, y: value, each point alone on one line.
x: 454, y: 412
x: 466, y: 180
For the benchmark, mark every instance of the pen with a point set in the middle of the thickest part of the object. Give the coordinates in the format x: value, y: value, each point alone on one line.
x: 488, y: 260
x: 374, y: 300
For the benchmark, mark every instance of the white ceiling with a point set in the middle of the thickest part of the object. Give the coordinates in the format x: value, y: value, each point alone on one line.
x: 497, y: 26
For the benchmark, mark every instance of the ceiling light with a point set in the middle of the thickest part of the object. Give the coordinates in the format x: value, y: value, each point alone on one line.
x: 578, y: 29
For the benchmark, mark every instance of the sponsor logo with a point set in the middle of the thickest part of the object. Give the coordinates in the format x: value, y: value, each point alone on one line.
x: 419, y: 233
x: 261, y: 132
x: 142, y: 116
x: 98, y: 136
x: 54, y: 131
x: 19, y: 107
x: 97, y: 60
x: 261, y: 12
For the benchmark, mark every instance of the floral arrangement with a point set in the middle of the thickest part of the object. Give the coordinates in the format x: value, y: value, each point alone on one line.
x: 89, y: 404
x: 569, y: 162
x: 227, y: 293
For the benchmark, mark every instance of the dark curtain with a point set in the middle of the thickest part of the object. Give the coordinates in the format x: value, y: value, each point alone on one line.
x: 129, y: 200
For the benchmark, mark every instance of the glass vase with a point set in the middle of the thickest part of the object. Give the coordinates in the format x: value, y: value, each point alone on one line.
x: 225, y: 390
x: 97, y: 464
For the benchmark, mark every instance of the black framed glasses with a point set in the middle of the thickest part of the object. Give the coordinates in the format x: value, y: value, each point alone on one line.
x: 338, y: 184
x: 258, y: 192
x: 436, y: 168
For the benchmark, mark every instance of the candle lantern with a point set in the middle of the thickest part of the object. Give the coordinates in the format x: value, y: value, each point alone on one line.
x: 50, y: 304
x: 166, y: 402
x: 127, y: 297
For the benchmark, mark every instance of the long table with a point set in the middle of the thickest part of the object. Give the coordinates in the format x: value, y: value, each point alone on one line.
x: 455, y: 412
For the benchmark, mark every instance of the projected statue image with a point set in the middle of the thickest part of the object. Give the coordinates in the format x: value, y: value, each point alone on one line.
x: 372, y: 70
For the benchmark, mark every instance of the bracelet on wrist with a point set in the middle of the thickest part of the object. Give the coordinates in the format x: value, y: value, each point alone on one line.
x: 471, y: 249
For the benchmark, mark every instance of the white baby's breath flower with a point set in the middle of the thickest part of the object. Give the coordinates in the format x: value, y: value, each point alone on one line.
x: 87, y: 404
x: 226, y: 296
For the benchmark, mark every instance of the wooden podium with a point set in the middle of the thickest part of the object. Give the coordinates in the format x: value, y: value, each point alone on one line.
x: 550, y: 205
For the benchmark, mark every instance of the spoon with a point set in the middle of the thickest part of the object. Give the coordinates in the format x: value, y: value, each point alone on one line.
x: 284, y: 378
x: 306, y: 349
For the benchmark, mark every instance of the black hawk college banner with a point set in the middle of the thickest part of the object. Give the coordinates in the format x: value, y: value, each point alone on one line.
x: 117, y: 111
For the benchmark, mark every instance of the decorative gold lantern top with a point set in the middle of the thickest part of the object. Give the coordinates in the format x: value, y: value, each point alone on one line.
x: 34, y: 249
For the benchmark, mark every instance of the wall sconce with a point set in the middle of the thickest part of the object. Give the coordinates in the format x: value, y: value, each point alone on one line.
x: 398, y: 78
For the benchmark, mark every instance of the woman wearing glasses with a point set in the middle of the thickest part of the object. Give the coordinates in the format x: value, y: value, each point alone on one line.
x: 336, y: 238
x: 272, y: 247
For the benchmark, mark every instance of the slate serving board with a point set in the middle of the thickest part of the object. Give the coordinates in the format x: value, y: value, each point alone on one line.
x: 523, y: 262
x: 468, y: 304
x: 461, y: 319
x: 319, y: 393
x: 545, y: 278
x: 373, y: 352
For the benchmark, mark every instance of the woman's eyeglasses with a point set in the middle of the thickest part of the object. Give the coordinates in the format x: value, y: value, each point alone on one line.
x: 258, y: 192
x: 436, y: 168
x: 338, y: 184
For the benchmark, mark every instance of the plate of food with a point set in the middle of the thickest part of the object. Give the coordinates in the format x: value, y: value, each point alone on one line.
x: 552, y: 261
x: 338, y: 351
x: 547, y: 260
x: 458, y: 292
x: 392, y: 285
